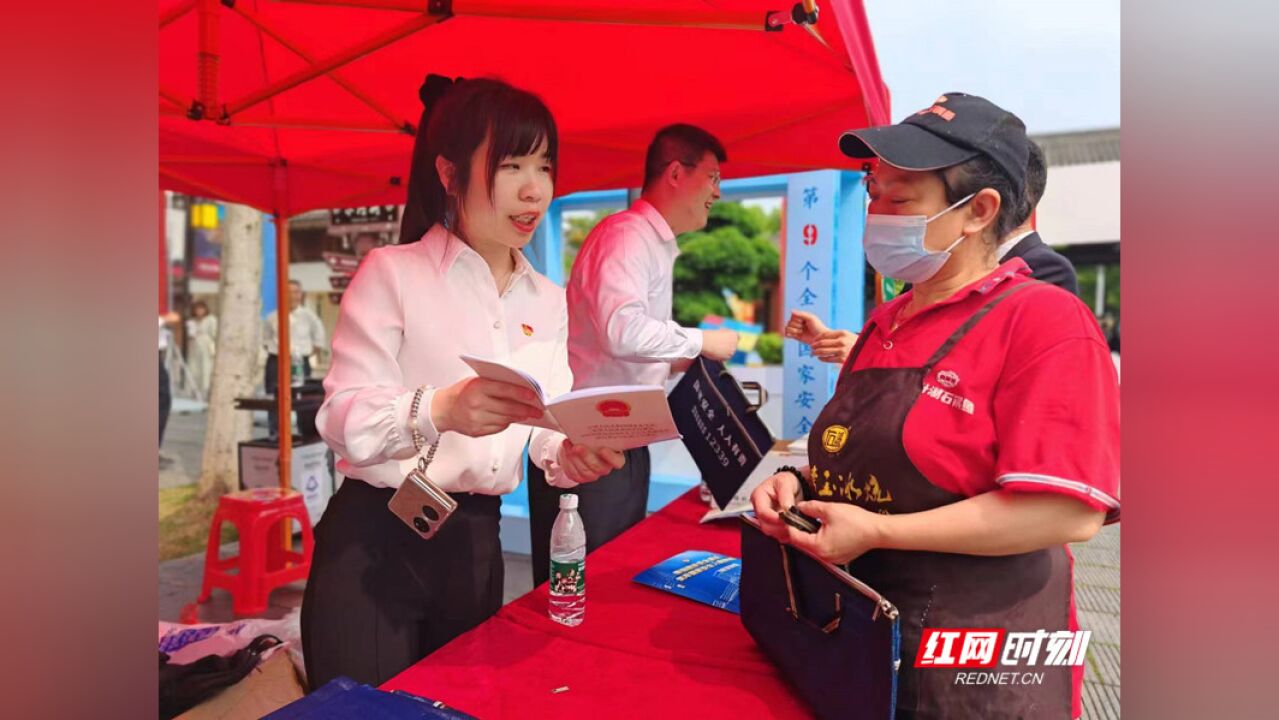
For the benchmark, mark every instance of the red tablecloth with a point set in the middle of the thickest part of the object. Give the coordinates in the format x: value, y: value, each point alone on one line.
x: 640, y: 652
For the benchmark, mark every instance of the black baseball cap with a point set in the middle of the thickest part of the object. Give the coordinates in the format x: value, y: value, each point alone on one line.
x: 956, y: 128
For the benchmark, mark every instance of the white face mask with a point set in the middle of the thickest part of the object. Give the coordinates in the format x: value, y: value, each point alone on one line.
x: 894, y: 245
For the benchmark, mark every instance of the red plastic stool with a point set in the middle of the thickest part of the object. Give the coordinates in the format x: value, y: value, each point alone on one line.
x: 263, y: 564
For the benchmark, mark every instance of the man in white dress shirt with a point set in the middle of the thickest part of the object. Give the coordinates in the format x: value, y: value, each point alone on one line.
x: 620, y: 326
x: 306, y: 337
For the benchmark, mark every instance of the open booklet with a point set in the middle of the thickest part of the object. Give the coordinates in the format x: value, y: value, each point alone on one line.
x: 620, y: 417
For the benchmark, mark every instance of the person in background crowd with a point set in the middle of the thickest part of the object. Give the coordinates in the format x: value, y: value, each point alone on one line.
x: 379, y: 597
x: 619, y: 322
x: 202, y: 336
x: 306, y: 338
x: 1114, y: 347
x: 166, y: 391
x: 1024, y: 242
x: 974, y: 430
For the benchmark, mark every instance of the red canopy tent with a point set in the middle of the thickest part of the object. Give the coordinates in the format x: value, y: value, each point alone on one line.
x: 301, y: 104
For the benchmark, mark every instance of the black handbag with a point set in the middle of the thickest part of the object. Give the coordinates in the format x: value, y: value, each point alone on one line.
x: 721, y: 427
x: 835, y: 638
x: 182, y: 687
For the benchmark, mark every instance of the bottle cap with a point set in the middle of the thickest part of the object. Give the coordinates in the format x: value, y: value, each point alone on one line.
x: 568, y: 501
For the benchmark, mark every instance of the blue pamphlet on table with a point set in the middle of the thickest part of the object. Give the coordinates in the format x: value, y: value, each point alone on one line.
x: 699, y: 575
x: 343, y: 697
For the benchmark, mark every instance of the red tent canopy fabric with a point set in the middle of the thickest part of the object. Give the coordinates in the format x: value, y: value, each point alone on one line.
x: 311, y: 103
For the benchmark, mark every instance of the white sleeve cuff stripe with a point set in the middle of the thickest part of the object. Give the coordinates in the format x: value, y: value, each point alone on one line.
x: 1073, y: 485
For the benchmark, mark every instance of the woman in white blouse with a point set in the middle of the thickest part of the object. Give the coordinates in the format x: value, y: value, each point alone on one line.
x: 202, y: 337
x: 379, y: 597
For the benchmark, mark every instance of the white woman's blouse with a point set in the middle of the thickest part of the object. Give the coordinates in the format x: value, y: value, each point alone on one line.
x: 407, y: 315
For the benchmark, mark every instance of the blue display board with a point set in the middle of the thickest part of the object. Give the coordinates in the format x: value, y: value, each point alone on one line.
x: 823, y: 273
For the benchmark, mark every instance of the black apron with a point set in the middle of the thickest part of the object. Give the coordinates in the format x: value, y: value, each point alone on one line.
x: 856, y: 455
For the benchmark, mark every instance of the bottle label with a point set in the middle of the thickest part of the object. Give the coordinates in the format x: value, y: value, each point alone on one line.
x: 297, y: 371
x: 568, y: 578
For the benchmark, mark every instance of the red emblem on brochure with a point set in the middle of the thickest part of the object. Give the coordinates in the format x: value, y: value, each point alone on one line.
x: 528, y: 329
x: 614, y: 408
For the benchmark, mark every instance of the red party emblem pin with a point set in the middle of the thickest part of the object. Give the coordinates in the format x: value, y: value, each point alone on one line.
x: 528, y: 329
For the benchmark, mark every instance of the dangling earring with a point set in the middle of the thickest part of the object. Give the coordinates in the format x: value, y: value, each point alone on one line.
x: 450, y: 214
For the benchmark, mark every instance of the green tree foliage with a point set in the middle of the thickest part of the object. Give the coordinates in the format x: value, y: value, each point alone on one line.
x: 769, y: 348
x: 736, y: 251
x: 577, y: 227
x: 1087, y: 275
x: 1109, y: 317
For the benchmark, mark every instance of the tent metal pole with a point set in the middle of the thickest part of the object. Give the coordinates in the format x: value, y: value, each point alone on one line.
x: 176, y: 12
x: 284, y: 365
x: 250, y: 160
x: 283, y: 354
x: 173, y: 98
x: 260, y: 23
x: 775, y: 125
x: 693, y: 16
x: 204, y: 187
x: 332, y: 62
x: 413, y: 6
x: 166, y: 303
x: 356, y: 197
x: 208, y: 56
x: 214, y: 160
x: 318, y: 124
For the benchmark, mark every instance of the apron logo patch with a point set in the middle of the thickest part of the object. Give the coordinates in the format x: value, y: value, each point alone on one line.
x: 528, y: 329
x: 834, y: 437
x: 948, y: 378
x: 846, y: 487
x: 944, y: 396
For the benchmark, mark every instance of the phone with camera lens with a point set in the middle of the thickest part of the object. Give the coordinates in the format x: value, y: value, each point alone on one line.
x: 421, y: 505
x: 795, y: 518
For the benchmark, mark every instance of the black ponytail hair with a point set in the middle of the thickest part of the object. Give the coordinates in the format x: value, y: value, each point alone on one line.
x: 457, y: 116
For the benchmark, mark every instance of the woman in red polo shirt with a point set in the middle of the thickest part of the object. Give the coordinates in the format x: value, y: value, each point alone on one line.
x: 974, y: 429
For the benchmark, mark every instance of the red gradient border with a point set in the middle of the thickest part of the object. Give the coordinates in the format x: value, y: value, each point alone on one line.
x: 1199, y: 263
x: 78, y: 375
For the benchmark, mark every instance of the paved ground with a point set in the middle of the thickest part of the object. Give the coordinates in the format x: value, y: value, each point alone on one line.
x: 1097, y: 602
x: 1097, y: 585
x: 183, y: 448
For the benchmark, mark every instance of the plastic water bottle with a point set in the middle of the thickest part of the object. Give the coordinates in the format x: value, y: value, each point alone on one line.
x: 296, y: 370
x: 568, y: 564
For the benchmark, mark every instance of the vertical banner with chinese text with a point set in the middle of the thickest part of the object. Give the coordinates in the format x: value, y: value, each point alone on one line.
x: 824, y: 274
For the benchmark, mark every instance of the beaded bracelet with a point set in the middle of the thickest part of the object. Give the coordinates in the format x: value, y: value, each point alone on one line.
x: 793, y: 471
x: 419, y: 440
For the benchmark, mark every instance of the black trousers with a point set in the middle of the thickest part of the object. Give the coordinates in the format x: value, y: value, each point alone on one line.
x: 166, y: 397
x: 271, y: 380
x: 379, y: 598
x: 608, y: 506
